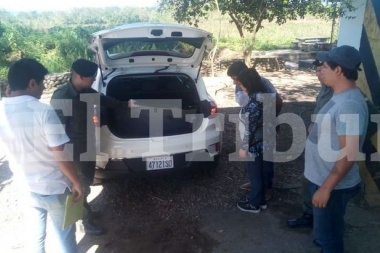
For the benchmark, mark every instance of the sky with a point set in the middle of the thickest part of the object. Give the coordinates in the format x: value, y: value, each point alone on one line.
x: 54, y: 5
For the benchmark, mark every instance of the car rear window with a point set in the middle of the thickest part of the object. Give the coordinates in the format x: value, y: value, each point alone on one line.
x: 131, y: 47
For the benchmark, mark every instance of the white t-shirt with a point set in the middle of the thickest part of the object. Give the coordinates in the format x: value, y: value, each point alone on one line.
x: 27, y: 129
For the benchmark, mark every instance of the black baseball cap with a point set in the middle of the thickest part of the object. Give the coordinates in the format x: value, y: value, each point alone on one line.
x: 84, y: 67
x: 345, y: 56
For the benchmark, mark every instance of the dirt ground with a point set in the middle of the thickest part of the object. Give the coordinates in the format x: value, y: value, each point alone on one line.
x: 188, y: 212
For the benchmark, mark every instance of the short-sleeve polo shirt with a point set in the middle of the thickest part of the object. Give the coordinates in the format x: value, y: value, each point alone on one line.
x: 27, y: 129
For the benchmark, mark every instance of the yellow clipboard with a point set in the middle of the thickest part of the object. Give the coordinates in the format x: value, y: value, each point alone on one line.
x: 73, y: 211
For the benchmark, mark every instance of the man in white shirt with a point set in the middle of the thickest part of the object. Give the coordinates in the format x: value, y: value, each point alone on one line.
x: 33, y: 139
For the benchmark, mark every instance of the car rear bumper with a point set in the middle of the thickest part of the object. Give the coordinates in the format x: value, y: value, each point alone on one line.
x: 138, y: 166
x: 128, y: 156
x: 203, y: 139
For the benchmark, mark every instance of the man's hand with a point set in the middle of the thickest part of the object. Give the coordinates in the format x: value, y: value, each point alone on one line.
x: 61, y: 156
x: 77, y: 191
x: 243, y: 153
x: 349, y: 150
x: 321, y: 197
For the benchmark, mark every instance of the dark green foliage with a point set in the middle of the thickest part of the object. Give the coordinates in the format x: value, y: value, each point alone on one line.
x: 56, y: 39
x: 248, y: 15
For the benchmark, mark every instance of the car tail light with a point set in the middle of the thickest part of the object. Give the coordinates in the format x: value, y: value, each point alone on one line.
x: 214, y: 149
x: 213, y: 109
x: 217, y: 147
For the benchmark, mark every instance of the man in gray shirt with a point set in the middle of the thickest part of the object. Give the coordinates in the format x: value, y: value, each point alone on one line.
x: 333, y: 147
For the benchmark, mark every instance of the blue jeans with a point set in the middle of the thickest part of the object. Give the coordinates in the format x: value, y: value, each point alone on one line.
x: 328, y: 223
x: 37, y: 208
x: 269, y: 170
x: 259, y: 173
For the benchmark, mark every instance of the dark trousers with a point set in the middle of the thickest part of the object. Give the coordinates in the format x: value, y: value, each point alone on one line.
x: 258, y: 177
x: 86, y: 171
x: 328, y: 223
x: 307, y: 205
x: 269, y: 170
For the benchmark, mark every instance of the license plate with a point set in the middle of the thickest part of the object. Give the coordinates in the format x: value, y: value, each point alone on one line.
x: 159, y: 162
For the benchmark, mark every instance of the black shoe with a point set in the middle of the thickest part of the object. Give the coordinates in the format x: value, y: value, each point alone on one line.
x: 305, y: 221
x: 92, y: 229
x: 246, y: 207
x: 245, y: 201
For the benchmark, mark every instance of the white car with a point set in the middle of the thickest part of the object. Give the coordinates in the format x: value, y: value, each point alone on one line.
x: 175, y: 123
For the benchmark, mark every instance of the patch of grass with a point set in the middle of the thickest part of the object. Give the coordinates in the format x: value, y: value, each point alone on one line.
x: 234, y: 44
x: 271, y: 36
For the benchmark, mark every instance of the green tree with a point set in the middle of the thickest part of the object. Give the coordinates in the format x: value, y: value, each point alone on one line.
x: 249, y: 15
x: 4, y: 48
x: 57, y: 38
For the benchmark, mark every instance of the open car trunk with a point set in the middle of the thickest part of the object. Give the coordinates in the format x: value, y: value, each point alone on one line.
x: 166, y: 98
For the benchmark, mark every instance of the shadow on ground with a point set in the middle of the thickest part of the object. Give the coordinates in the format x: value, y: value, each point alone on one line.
x: 5, y: 174
x: 191, y: 212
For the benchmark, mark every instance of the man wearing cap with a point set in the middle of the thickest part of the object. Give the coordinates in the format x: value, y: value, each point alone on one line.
x: 74, y: 103
x: 324, y: 95
x: 333, y: 147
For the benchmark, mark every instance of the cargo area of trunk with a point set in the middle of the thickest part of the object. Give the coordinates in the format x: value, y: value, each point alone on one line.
x: 153, y: 92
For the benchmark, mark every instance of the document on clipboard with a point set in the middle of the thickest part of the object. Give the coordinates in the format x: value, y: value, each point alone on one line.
x: 73, y: 211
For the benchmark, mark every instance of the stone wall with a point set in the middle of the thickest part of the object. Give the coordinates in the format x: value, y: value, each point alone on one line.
x: 54, y: 80
x: 51, y: 82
